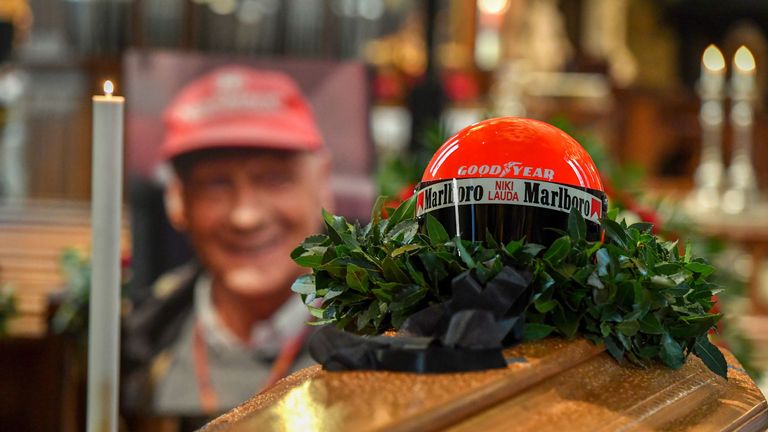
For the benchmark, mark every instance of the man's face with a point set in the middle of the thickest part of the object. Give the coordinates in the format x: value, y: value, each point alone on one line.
x: 245, y: 211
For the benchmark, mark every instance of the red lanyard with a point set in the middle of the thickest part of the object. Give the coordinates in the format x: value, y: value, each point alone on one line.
x: 209, y: 401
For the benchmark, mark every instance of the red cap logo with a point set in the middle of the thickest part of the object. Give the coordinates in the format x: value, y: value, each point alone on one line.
x: 236, y: 106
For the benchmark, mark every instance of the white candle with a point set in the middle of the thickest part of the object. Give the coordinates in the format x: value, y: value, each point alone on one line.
x: 742, y: 190
x: 712, y: 78
x: 106, y: 203
x: 743, y: 80
x: 709, y: 173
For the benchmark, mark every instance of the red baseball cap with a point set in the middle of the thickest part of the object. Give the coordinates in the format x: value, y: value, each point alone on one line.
x: 236, y: 106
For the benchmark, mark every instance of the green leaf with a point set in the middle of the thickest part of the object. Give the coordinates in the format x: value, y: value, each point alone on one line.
x: 625, y: 294
x: 672, y: 247
x: 350, y: 298
x: 567, y: 322
x: 383, y: 295
x: 605, y: 329
x: 642, y: 299
x: 304, y: 284
x: 403, y: 249
x: 377, y: 209
x: 535, y: 331
x: 671, y: 352
x: 311, y: 258
x: 434, y: 266
x: 545, y: 306
x: 337, y: 267
x: 490, y: 241
x: 533, y: 249
x: 339, y: 230
x: 316, y: 312
x: 648, y: 352
x: 706, y: 319
x: 332, y: 293
x: 711, y: 356
x: 435, y: 230
x: 403, y: 232
x: 577, y: 226
x: 628, y: 328
x: 609, y: 313
x: 365, y: 318
x: 643, y: 227
x: 615, y: 232
x: 614, y: 349
x: 662, y: 282
x: 294, y: 253
x: 594, y: 247
x: 320, y: 322
x: 315, y: 240
x: 514, y: 246
x: 406, y: 210
x: 634, y: 359
x: 415, y: 275
x: 357, y: 278
x: 583, y: 273
x: 463, y: 254
x: 625, y: 342
x: 393, y: 272
x: 650, y: 324
x: 692, y: 326
x: 667, y: 268
x: 408, y: 297
x: 546, y: 280
x: 558, y: 251
x: 700, y: 268
x: 398, y: 318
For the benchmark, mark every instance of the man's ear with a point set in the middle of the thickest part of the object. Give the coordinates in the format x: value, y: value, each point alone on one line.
x: 174, y: 204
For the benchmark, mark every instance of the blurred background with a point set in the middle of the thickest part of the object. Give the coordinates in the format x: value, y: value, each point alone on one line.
x: 391, y: 79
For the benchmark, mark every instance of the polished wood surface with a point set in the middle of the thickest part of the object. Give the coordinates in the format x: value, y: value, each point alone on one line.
x: 549, y: 385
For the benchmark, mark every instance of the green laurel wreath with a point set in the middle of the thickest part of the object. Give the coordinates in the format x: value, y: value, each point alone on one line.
x: 634, y: 293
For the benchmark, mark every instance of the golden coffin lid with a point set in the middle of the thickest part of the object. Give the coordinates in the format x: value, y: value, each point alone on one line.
x: 549, y: 385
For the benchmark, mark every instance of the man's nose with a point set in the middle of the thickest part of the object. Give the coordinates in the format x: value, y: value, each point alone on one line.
x: 248, y: 211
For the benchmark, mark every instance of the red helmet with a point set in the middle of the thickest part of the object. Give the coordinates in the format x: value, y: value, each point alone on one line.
x: 513, y: 177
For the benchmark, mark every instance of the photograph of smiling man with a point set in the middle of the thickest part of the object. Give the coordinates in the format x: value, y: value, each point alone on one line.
x: 251, y: 177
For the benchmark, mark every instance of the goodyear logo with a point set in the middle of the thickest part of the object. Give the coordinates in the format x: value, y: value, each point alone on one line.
x: 517, y: 168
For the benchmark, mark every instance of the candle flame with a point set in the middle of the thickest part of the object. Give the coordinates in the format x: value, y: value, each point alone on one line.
x: 713, y: 59
x: 492, y: 7
x: 743, y: 60
x: 109, y: 88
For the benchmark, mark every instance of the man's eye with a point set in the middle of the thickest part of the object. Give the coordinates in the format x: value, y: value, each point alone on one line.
x: 275, y: 179
x: 213, y: 184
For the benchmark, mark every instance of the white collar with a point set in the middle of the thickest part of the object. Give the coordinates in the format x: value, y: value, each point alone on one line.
x: 267, y: 336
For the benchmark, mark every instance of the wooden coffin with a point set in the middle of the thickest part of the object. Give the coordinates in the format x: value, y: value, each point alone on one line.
x: 550, y: 385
